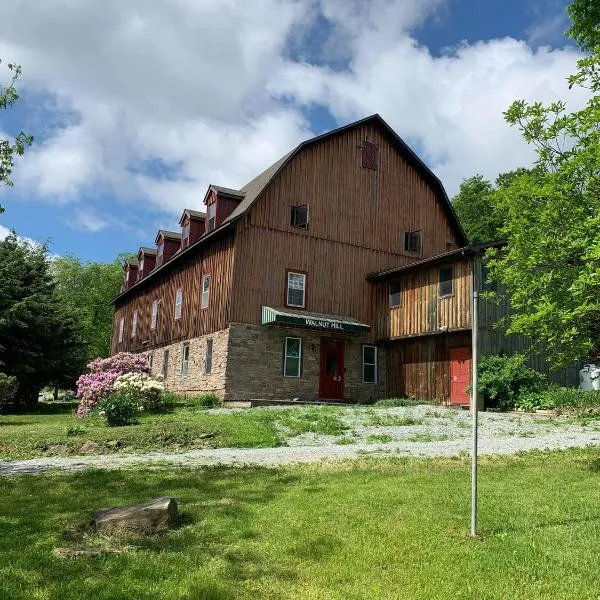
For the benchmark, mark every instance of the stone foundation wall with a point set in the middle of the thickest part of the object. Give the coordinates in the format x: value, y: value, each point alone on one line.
x: 196, y: 381
x: 255, y: 365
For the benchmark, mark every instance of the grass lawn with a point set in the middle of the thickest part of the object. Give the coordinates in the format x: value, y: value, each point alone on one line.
x: 55, y: 424
x: 374, y: 529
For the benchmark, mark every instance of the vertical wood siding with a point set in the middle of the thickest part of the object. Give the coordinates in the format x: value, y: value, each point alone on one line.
x: 217, y: 260
x: 357, y: 221
x: 420, y: 367
x: 421, y: 310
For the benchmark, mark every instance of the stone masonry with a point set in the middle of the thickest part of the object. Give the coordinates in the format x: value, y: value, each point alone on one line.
x: 255, y: 366
x: 197, y: 381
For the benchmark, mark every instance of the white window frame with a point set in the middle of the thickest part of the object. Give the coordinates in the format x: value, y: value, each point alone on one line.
x: 141, y: 267
x: 154, y: 317
x: 185, y: 360
x: 127, y: 276
x: 205, y: 297
x: 134, y: 323
x: 209, y: 345
x: 211, y: 215
x: 121, y: 329
x: 286, y: 356
x: 160, y: 253
x: 375, y: 364
x: 150, y: 356
x: 185, y: 234
x: 178, y: 303
x: 287, y: 290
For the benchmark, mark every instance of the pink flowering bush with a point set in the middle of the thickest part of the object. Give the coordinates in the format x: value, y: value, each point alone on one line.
x: 100, y: 381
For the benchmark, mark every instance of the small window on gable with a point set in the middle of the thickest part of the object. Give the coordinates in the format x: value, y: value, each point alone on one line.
x: 412, y: 241
x: 159, y: 254
x: 445, y: 288
x: 178, y: 303
x: 370, y: 155
x: 296, y: 290
x: 395, y: 293
x: 212, y: 216
x: 127, y: 275
x: 205, y: 291
x: 300, y: 216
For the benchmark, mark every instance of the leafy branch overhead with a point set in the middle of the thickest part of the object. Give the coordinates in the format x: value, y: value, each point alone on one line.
x: 15, y: 147
x: 551, y: 266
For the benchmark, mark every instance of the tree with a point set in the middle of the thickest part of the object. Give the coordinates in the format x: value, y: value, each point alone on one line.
x: 476, y: 209
x: 40, y: 338
x: 11, y: 148
x: 551, y: 266
x: 87, y: 288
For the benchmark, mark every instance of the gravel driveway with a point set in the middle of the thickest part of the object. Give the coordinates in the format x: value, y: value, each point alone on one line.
x: 421, y: 431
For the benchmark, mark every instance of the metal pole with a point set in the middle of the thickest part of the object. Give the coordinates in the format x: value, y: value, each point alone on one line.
x: 474, y: 411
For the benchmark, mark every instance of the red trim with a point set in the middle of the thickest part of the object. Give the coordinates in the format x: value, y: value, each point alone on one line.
x: 285, y: 292
x: 202, y: 289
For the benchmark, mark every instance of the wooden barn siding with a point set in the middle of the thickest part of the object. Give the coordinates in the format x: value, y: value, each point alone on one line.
x: 218, y: 261
x: 494, y: 340
x: 420, y: 367
x: 357, y: 220
x: 421, y: 310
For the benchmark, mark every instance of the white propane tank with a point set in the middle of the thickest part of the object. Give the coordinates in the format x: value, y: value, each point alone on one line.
x: 587, y: 379
x: 595, y: 374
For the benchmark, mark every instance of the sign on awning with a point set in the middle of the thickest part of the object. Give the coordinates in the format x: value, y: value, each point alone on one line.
x: 333, y: 323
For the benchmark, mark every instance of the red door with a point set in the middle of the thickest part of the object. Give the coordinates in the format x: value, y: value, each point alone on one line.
x: 331, y: 381
x: 460, y: 375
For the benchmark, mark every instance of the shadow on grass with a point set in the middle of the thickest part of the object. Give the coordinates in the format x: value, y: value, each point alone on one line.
x: 60, y: 407
x: 217, y: 513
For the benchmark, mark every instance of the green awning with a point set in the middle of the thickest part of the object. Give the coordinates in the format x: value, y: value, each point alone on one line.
x: 310, y: 320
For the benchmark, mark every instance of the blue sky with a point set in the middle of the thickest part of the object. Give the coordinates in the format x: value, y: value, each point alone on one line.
x: 136, y: 109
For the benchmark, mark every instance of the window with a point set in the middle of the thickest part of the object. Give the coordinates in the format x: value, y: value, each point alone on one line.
x: 150, y: 361
x: 300, y: 216
x: 412, y: 241
x: 134, y: 323
x: 165, y: 369
x: 369, y: 364
x: 159, y: 254
x: 445, y: 288
x: 154, y: 315
x: 395, y: 293
x: 370, y: 155
x: 141, y: 269
x: 121, y: 327
x: 292, y: 357
x: 178, y: 303
x: 185, y: 359
x: 205, y: 291
x: 208, y: 359
x: 212, y: 216
x: 185, y: 234
x: 296, y: 290
x: 127, y: 276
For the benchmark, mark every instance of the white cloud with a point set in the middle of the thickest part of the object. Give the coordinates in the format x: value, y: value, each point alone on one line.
x: 87, y: 219
x: 207, y: 89
x: 5, y: 232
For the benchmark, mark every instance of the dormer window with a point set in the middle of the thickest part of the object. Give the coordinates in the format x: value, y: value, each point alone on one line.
x: 141, y: 268
x: 127, y: 276
x: 299, y: 217
x: 212, y: 216
x: 159, y: 254
x: 185, y: 234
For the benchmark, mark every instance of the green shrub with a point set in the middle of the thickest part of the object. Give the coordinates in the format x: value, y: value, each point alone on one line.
x: 147, y: 391
x: 8, y: 391
x: 395, y: 402
x: 503, y: 378
x: 120, y: 408
x: 532, y: 400
x: 209, y: 400
x: 576, y: 401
